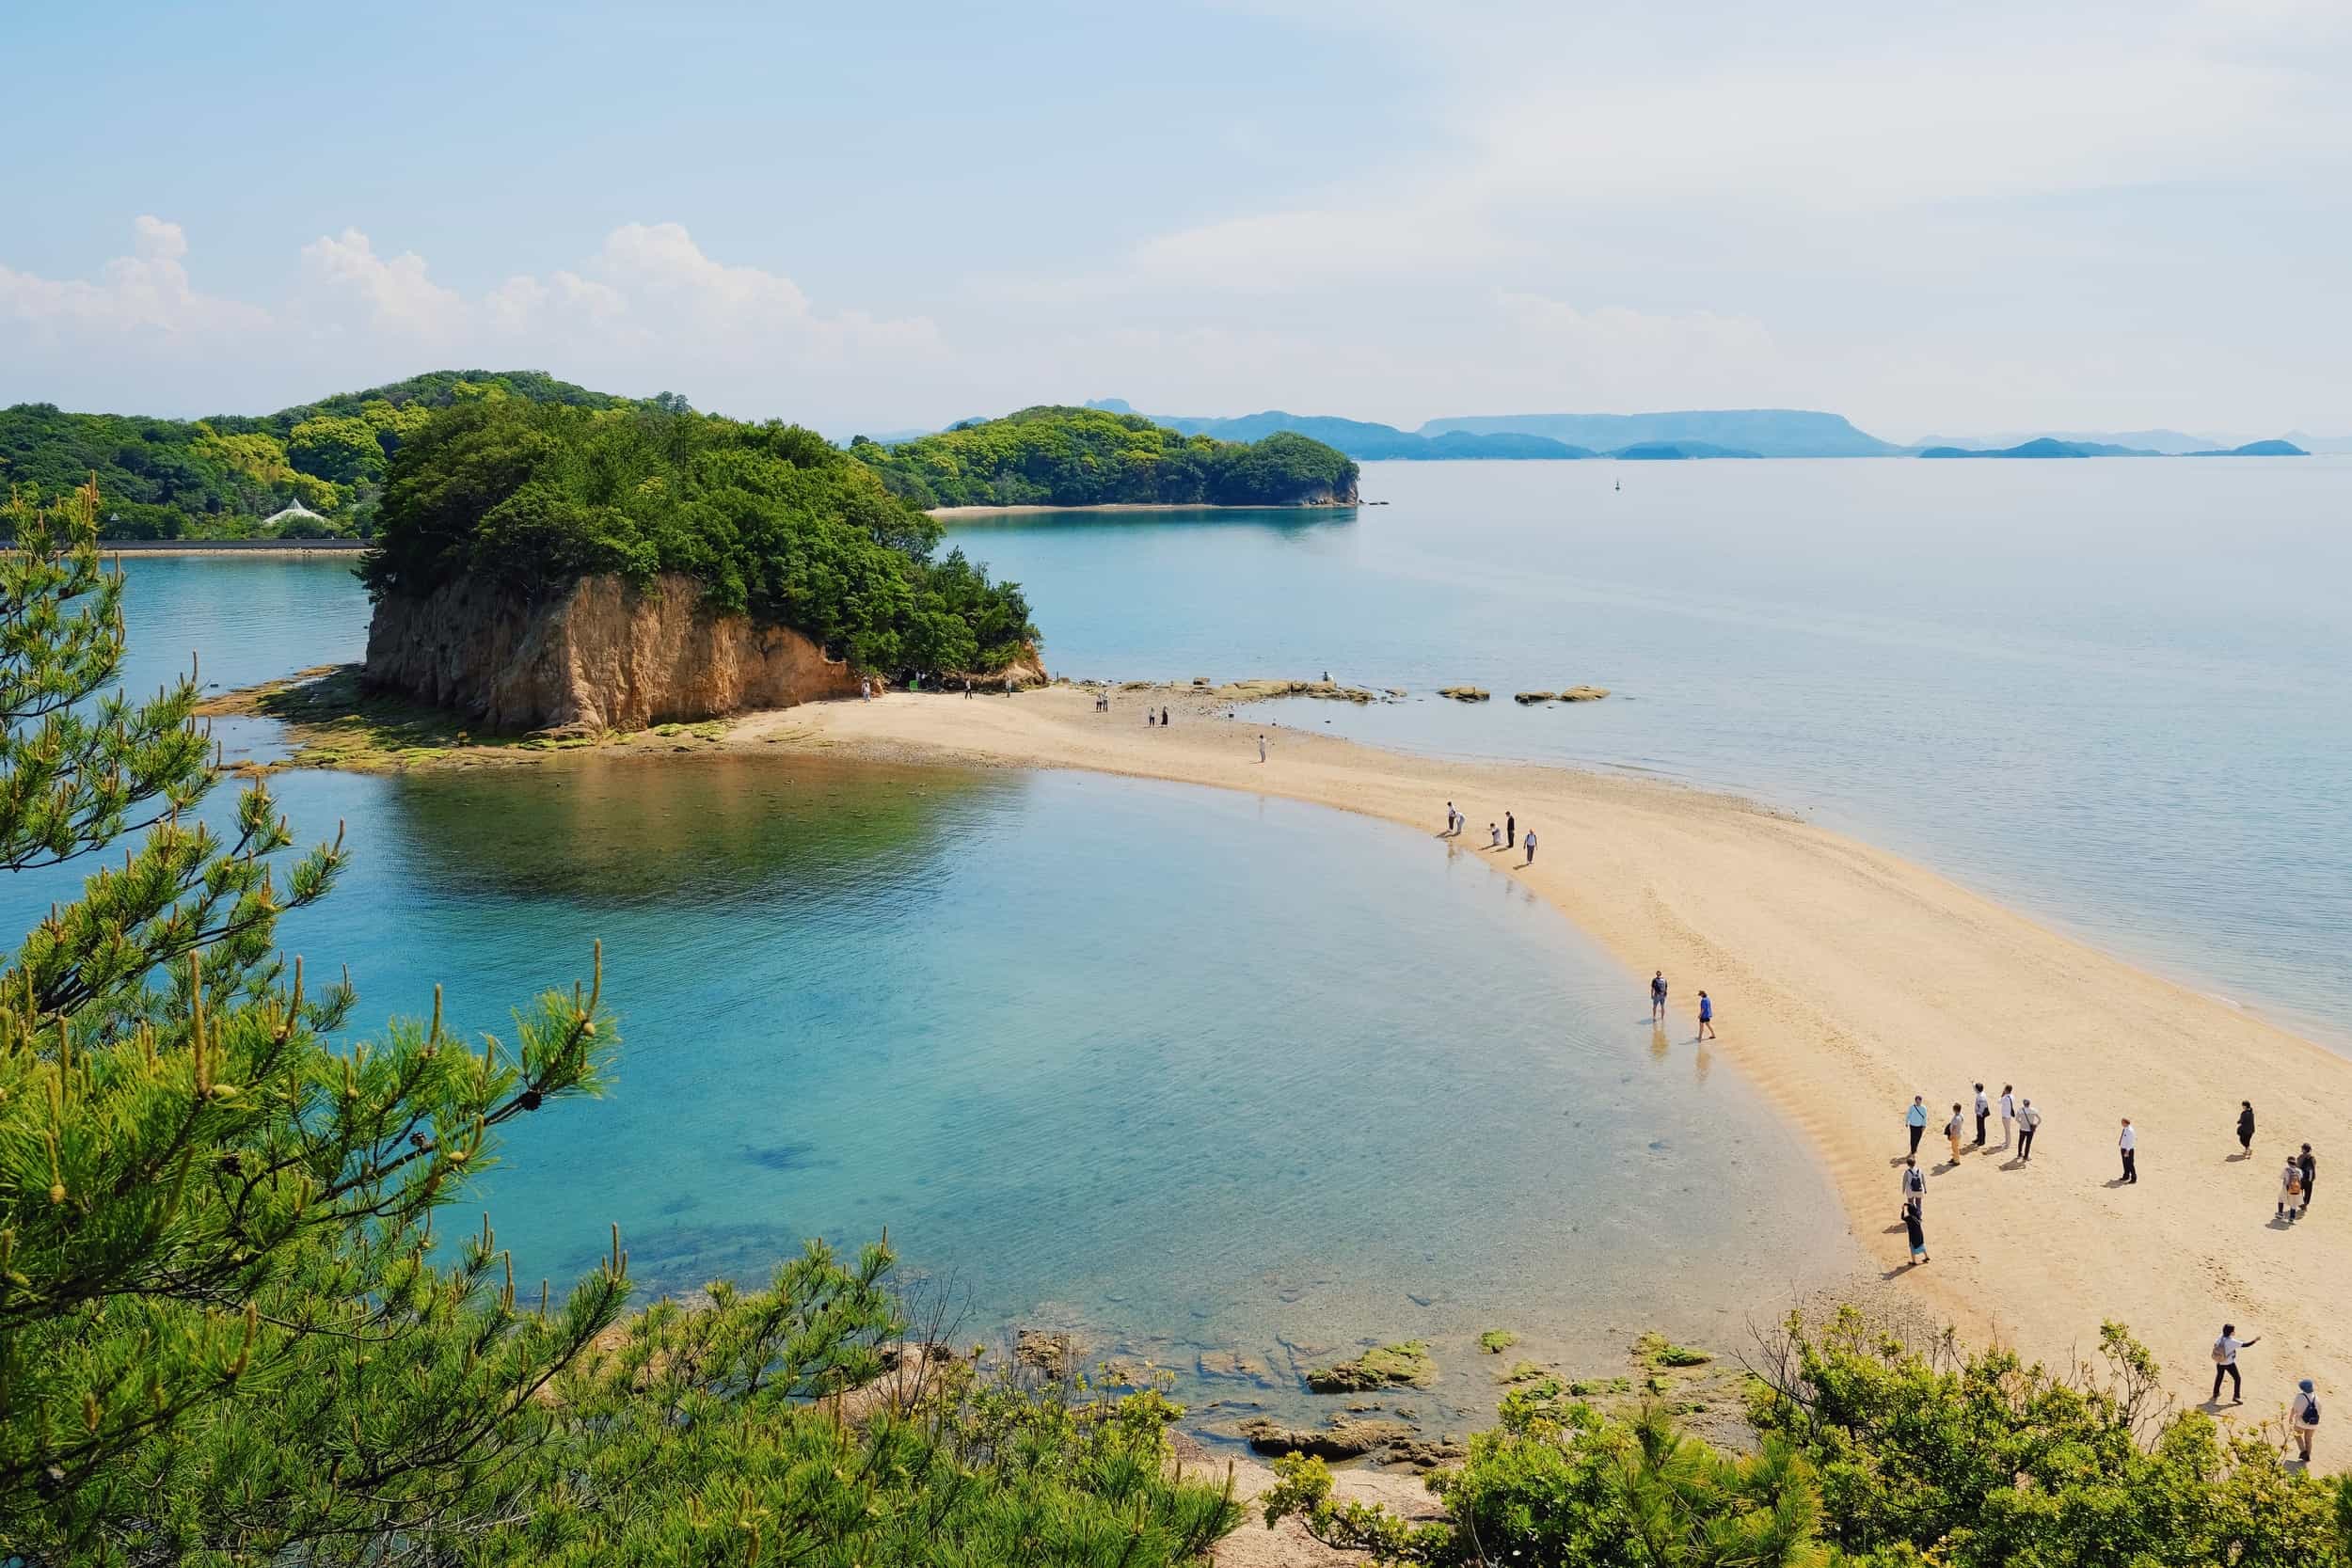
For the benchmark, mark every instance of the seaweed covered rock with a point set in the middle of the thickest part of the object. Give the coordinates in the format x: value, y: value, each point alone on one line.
x: 1400, y: 1366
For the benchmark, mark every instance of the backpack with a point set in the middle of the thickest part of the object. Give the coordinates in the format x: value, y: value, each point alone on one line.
x: 2295, y: 1180
x: 2311, y: 1410
x: 2221, y: 1352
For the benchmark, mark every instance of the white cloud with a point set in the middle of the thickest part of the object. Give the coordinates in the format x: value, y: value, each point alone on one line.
x: 147, y: 292
x: 399, y: 298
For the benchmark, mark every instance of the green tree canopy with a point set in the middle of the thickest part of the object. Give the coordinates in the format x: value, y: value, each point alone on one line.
x: 1050, y: 456
x: 775, y: 521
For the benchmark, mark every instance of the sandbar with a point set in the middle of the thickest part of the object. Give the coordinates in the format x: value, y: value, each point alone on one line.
x: 1846, y: 980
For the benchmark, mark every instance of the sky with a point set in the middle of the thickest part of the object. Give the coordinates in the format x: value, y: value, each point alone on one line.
x: 1931, y: 220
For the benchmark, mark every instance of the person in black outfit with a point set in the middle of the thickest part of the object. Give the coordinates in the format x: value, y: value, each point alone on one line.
x: 2310, y: 1169
x: 2246, y: 1125
x: 1510, y: 831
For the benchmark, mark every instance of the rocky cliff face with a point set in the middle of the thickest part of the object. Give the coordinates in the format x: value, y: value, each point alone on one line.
x: 601, y: 656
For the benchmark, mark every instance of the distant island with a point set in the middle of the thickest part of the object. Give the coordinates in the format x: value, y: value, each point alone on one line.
x: 1641, y: 437
x: 2048, y: 446
x: 1755, y: 432
x: 1358, y: 438
x: 1061, y: 456
x: 315, y: 470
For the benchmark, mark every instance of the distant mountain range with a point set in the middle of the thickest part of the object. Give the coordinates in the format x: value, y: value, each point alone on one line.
x: 1758, y: 431
x: 2046, y: 446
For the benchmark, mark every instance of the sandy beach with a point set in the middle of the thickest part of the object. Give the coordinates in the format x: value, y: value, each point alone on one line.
x: 1846, y: 980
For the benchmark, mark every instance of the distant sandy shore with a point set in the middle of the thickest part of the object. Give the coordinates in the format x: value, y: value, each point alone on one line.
x: 231, y: 546
x: 1846, y: 980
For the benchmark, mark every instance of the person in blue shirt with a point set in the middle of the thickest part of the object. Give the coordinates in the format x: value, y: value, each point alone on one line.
x: 1706, y: 1017
x: 1916, y: 1119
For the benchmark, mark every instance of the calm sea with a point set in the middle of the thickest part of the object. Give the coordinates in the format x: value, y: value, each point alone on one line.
x: 2113, y: 693
x: 1183, y: 1071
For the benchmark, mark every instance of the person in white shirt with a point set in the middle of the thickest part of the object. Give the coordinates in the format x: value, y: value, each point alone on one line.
x: 2225, y: 1363
x: 2291, y: 1190
x: 2303, y: 1417
x: 1984, y: 1114
x: 1915, y: 1183
x: 2129, y: 1143
x: 2027, y: 1120
x: 2008, y: 1115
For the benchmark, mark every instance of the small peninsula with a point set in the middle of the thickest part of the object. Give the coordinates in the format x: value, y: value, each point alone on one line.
x: 1056, y: 456
x: 540, y: 567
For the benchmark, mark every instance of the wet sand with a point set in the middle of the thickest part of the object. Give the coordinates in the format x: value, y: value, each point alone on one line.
x: 1846, y: 980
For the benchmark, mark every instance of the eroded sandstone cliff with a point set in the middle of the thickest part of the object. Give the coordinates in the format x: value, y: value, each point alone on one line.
x: 602, y: 656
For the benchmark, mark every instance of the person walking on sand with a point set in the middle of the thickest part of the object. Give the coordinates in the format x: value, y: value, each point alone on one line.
x: 1262, y: 746
x: 1951, y: 1129
x: 2303, y: 1418
x: 2290, y: 1191
x: 1984, y: 1114
x: 2246, y: 1127
x: 1706, y: 1016
x: 1914, y: 1228
x: 2028, y: 1122
x: 2310, y: 1169
x: 1510, y: 831
x: 2128, y: 1144
x: 2008, y: 1115
x: 1658, y: 997
x: 1915, y: 1184
x: 1916, y: 1119
x: 1530, y: 842
x: 2225, y: 1363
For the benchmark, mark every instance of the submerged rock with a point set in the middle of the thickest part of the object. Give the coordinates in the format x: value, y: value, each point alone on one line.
x: 1400, y: 1366
x: 1266, y: 688
x: 1465, y: 693
x: 1583, y: 693
x: 1525, y: 697
x: 1042, y: 1350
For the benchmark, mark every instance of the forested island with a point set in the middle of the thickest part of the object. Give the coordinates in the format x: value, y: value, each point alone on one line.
x: 312, y: 471
x: 1057, y: 456
x: 552, y: 567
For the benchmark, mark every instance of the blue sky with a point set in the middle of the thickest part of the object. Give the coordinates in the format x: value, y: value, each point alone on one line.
x: 1997, y: 218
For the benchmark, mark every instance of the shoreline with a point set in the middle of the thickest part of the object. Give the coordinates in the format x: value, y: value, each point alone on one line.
x: 951, y: 513
x: 263, y: 547
x: 1848, y: 979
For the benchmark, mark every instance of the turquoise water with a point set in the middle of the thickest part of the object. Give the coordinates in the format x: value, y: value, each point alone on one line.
x: 2108, y: 692
x: 1179, y: 1070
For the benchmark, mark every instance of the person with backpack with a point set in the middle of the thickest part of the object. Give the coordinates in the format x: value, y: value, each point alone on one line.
x: 2246, y: 1128
x: 1915, y: 1183
x: 2291, y: 1191
x: 2225, y: 1363
x: 1916, y: 1119
x: 2028, y: 1121
x: 2303, y: 1418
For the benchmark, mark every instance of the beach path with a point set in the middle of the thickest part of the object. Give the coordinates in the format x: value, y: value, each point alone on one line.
x: 1846, y: 980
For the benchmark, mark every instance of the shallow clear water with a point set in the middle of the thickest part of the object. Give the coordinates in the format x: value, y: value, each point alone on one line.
x: 2112, y: 692
x: 1179, y: 1069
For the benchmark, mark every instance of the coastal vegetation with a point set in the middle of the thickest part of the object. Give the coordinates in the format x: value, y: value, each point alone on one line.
x: 230, y: 1331
x: 1877, y: 1448
x: 1052, y: 456
x: 772, y: 520
x: 317, y: 468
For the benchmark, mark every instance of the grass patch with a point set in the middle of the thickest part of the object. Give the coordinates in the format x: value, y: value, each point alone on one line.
x: 1496, y: 1341
x: 1400, y: 1366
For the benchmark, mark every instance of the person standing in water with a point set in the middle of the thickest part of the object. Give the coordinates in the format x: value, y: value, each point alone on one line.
x: 1450, y: 821
x: 1658, y: 997
x: 2246, y: 1127
x: 2027, y: 1120
x: 2129, y: 1145
x: 2008, y: 1115
x: 1706, y: 1016
x: 1916, y: 1119
x: 1510, y: 832
x: 1530, y: 849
